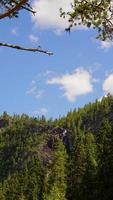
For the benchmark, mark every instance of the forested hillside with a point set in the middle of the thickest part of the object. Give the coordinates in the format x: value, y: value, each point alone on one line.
x: 70, y: 158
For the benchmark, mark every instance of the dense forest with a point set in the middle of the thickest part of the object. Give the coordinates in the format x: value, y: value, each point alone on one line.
x: 70, y: 158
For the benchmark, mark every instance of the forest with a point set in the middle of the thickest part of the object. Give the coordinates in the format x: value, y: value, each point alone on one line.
x: 70, y: 158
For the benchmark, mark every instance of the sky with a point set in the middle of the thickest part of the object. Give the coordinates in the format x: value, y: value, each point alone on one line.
x: 79, y: 72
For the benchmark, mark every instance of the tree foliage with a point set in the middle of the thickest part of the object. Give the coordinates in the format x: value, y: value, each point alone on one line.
x: 67, y: 159
x: 97, y: 14
x: 10, y: 8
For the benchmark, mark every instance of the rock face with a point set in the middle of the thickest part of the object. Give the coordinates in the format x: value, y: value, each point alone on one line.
x: 63, y: 135
x: 54, y: 134
x: 4, y: 123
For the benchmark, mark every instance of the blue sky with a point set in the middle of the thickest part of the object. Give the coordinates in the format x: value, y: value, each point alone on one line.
x: 80, y: 71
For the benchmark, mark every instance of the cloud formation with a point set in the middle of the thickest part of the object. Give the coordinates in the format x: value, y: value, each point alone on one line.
x: 40, y: 111
x: 48, y: 14
x: 33, y: 38
x: 14, y: 31
x: 77, y: 83
x: 106, y: 44
x: 34, y: 90
x: 108, y: 84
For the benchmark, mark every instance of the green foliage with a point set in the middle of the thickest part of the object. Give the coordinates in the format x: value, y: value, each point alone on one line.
x: 66, y: 159
x: 8, y: 5
x: 2, y: 197
x: 95, y: 14
x: 55, y: 178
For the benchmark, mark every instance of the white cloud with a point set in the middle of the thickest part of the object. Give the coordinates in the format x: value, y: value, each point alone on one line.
x: 41, y: 111
x: 39, y: 94
x: 49, y: 73
x: 74, y: 84
x: 108, y: 84
x: 48, y: 14
x: 106, y: 44
x: 34, y: 90
x: 33, y: 38
x: 14, y: 31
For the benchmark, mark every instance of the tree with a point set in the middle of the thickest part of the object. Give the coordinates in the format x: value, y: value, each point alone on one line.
x: 11, y: 8
x: 21, y: 197
x: 90, y: 177
x: 2, y: 197
x: 55, y: 176
x: 77, y: 165
x: 97, y: 14
x: 105, y: 174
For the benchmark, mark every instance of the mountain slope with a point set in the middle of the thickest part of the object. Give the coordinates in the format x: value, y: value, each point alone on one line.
x: 67, y: 159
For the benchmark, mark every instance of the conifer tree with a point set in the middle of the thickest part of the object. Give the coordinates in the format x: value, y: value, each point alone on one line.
x: 78, y: 165
x: 56, y: 178
x: 2, y: 197
x: 90, y: 177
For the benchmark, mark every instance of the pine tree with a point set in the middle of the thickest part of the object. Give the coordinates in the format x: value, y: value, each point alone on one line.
x: 90, y: 177
x: 55, y: 179
x: 78, y: 165
x: 105, y: 142
x: 2, y: 197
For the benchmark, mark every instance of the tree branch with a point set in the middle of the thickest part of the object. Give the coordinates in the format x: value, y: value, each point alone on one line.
x: 14, y: 9
x: 26, y: 49
x: 30, y: 10
x: 26, y: 7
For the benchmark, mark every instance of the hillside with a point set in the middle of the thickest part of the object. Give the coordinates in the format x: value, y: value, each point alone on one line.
x: 70, y: 158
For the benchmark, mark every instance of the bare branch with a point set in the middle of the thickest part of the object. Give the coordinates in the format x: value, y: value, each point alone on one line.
x: 26, y: 49
x: 9, y: 12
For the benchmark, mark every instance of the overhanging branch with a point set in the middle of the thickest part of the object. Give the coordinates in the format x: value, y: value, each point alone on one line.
x: 14, y: 9
x: 18, y: 5
x: 26, y: 49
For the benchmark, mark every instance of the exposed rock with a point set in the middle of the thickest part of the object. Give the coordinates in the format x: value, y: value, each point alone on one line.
x: 4, y: 123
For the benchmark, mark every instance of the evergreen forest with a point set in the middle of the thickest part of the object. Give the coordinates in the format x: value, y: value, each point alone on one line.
x: 70, y: 158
